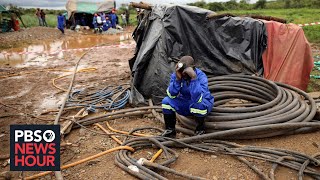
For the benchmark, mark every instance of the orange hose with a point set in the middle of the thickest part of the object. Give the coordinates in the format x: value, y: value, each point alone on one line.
x: 83, y: 160
x: 113, y: 137
x: 155, y: 156
x: 81, y: 70
x: 124, y: 132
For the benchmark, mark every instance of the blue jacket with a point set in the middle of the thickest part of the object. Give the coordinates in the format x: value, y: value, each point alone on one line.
x: 197, y: 90
x: 61, y: 22
x: 94, y: 20
x: 113, y: 18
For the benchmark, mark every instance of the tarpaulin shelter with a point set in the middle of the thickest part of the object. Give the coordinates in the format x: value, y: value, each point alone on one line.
x: 227, y: 45
x: 8, y: 19
x: 78, y: 8
x: 288, y: 57
x: 2, y: 8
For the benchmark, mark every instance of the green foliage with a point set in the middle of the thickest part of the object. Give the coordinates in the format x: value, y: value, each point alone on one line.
x: 216, y: 6
x: 261, y: 4
x: 132, y: 16
x: 232, y: 4
x: 201, y: 4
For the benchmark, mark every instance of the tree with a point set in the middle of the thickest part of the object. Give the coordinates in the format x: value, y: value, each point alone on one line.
x: 231, y: 5
x: 201, y: 4
x: 287, y: 4
x: 216, y: 6
x: 261, y: 4
x: 244, y: 4
x: 297, y: 3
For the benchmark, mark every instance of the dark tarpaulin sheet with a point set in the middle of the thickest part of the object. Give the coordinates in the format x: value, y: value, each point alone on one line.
x: 222, y: 46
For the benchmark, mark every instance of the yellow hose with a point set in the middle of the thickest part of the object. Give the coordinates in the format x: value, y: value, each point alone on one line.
x: 113, y: 137
x: 124, y: 132
x: 155, y: 156
x: 60, y: 77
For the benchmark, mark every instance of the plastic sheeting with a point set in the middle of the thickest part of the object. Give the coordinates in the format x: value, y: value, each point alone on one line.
x: 222, y: 46
x: 288, y: 57
x: 89, y: 7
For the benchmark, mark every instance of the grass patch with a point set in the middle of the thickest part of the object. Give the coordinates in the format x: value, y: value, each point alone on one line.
x: 132, y: 20
x: 30, y: 20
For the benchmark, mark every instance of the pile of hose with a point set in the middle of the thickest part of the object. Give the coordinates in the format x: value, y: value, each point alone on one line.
x: 275, y: 109
x: 144, y: 169
x: 108, y: 98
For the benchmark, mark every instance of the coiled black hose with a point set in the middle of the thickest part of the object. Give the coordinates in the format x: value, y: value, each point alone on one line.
x: 280, y: 109
x: 302, y: 163
x: 277, y: 103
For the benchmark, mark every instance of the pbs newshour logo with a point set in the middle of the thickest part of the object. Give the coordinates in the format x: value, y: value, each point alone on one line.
x: 34, y: 147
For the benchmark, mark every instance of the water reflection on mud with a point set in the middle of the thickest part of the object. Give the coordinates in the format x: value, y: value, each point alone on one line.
x: 42, y: 52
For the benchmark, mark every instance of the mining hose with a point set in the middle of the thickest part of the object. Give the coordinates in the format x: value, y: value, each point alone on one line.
x: 142, y: 169
x: 277, y: 104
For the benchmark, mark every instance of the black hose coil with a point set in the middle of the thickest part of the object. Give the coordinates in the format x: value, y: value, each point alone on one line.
x: 277, y: 103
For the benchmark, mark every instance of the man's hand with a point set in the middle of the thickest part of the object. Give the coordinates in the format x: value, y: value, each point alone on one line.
x: 178, y: 73
x: 190, y: 72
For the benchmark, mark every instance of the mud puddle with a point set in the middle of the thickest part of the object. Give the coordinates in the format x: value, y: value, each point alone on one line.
x: 36, y: 55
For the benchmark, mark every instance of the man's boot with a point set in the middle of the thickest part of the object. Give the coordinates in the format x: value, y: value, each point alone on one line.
x: 200, y: 129
x: 170, y: 123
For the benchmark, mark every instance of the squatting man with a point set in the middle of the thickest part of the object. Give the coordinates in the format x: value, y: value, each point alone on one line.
x: 188, y: 95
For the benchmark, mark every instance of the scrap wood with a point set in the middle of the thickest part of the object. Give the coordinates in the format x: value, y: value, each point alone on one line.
x: 141, y: 5
x: 58, y: 174
x: 67, y: 126
x: 83, y: 160
x: 268, y: 18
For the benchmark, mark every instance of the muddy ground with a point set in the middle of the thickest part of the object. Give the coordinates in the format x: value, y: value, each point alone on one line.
x: 26, y: 88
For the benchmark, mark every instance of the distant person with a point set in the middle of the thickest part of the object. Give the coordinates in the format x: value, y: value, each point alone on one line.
x: 97, y: 23
x: 38, y: 14
x: 103, y: 17
x: 107, y: 25
x: 113, y: 19
x: 83, y: 20
x: 127, y: 12
x: 43, y: 18
x: 99, y: 19
x: 61, y: 22
x: 124, y: 20
x: 94, y: 22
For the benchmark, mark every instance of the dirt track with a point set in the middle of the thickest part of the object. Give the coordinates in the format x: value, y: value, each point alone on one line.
x: 34, y: 93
